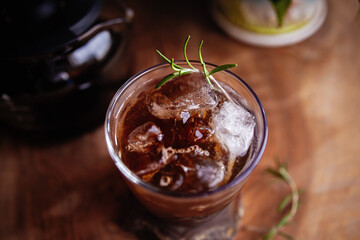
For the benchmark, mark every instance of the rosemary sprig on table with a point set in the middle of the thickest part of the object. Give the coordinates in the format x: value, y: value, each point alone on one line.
x: 178, y: 70
x: 281, y: 172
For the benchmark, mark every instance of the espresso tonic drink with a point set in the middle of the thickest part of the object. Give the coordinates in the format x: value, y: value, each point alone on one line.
x: 186, y: 136
x: 186, y: 149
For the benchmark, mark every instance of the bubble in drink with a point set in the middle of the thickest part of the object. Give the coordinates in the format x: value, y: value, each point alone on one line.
x: 186, y: 137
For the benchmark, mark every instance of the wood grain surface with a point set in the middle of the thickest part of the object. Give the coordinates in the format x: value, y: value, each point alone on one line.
x: 70, y: 189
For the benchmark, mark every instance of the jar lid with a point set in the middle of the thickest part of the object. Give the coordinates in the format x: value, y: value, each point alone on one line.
x: 39, y: 27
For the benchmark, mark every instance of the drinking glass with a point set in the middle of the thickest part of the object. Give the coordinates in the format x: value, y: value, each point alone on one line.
x: 191, y: 210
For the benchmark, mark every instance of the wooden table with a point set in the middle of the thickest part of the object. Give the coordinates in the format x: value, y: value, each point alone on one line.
x: 70, y: 189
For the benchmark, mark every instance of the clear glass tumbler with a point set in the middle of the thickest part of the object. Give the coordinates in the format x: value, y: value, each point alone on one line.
x: 169, y: 206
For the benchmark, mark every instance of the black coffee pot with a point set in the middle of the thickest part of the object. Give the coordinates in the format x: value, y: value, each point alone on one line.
x: 55, y: 61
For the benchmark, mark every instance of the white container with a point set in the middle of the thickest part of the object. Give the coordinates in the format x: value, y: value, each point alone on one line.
x: 255, y: 21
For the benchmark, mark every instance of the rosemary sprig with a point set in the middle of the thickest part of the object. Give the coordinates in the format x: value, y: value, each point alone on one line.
x: 178, y: 70
x: 185, y: 55
x: 204, y: 66
x: 281, y: 172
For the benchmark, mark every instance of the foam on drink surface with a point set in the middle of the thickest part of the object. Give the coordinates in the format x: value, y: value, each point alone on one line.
x: 186, y: 137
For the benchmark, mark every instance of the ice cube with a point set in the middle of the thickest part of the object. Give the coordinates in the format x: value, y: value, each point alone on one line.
x: 145, y: 138
x: 234, y: 127
x: 198, y: 130
x: 154, y: 162
x: 159, y: 106
x: 190, y: 172
x: 202, y: 98
x: 179, y: 165
x: 162, y: 107
x: 200, y: 173
x: 210, y: 172
x: 195, y: 130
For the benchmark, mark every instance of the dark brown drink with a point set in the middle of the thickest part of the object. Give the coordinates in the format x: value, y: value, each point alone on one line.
x: 186, y: 137
x: 186, y: 150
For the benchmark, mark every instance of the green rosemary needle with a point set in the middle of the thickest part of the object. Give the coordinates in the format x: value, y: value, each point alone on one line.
x: 282, y: 173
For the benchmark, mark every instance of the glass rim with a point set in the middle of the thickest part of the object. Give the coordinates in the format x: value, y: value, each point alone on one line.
x: 132, y: 177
